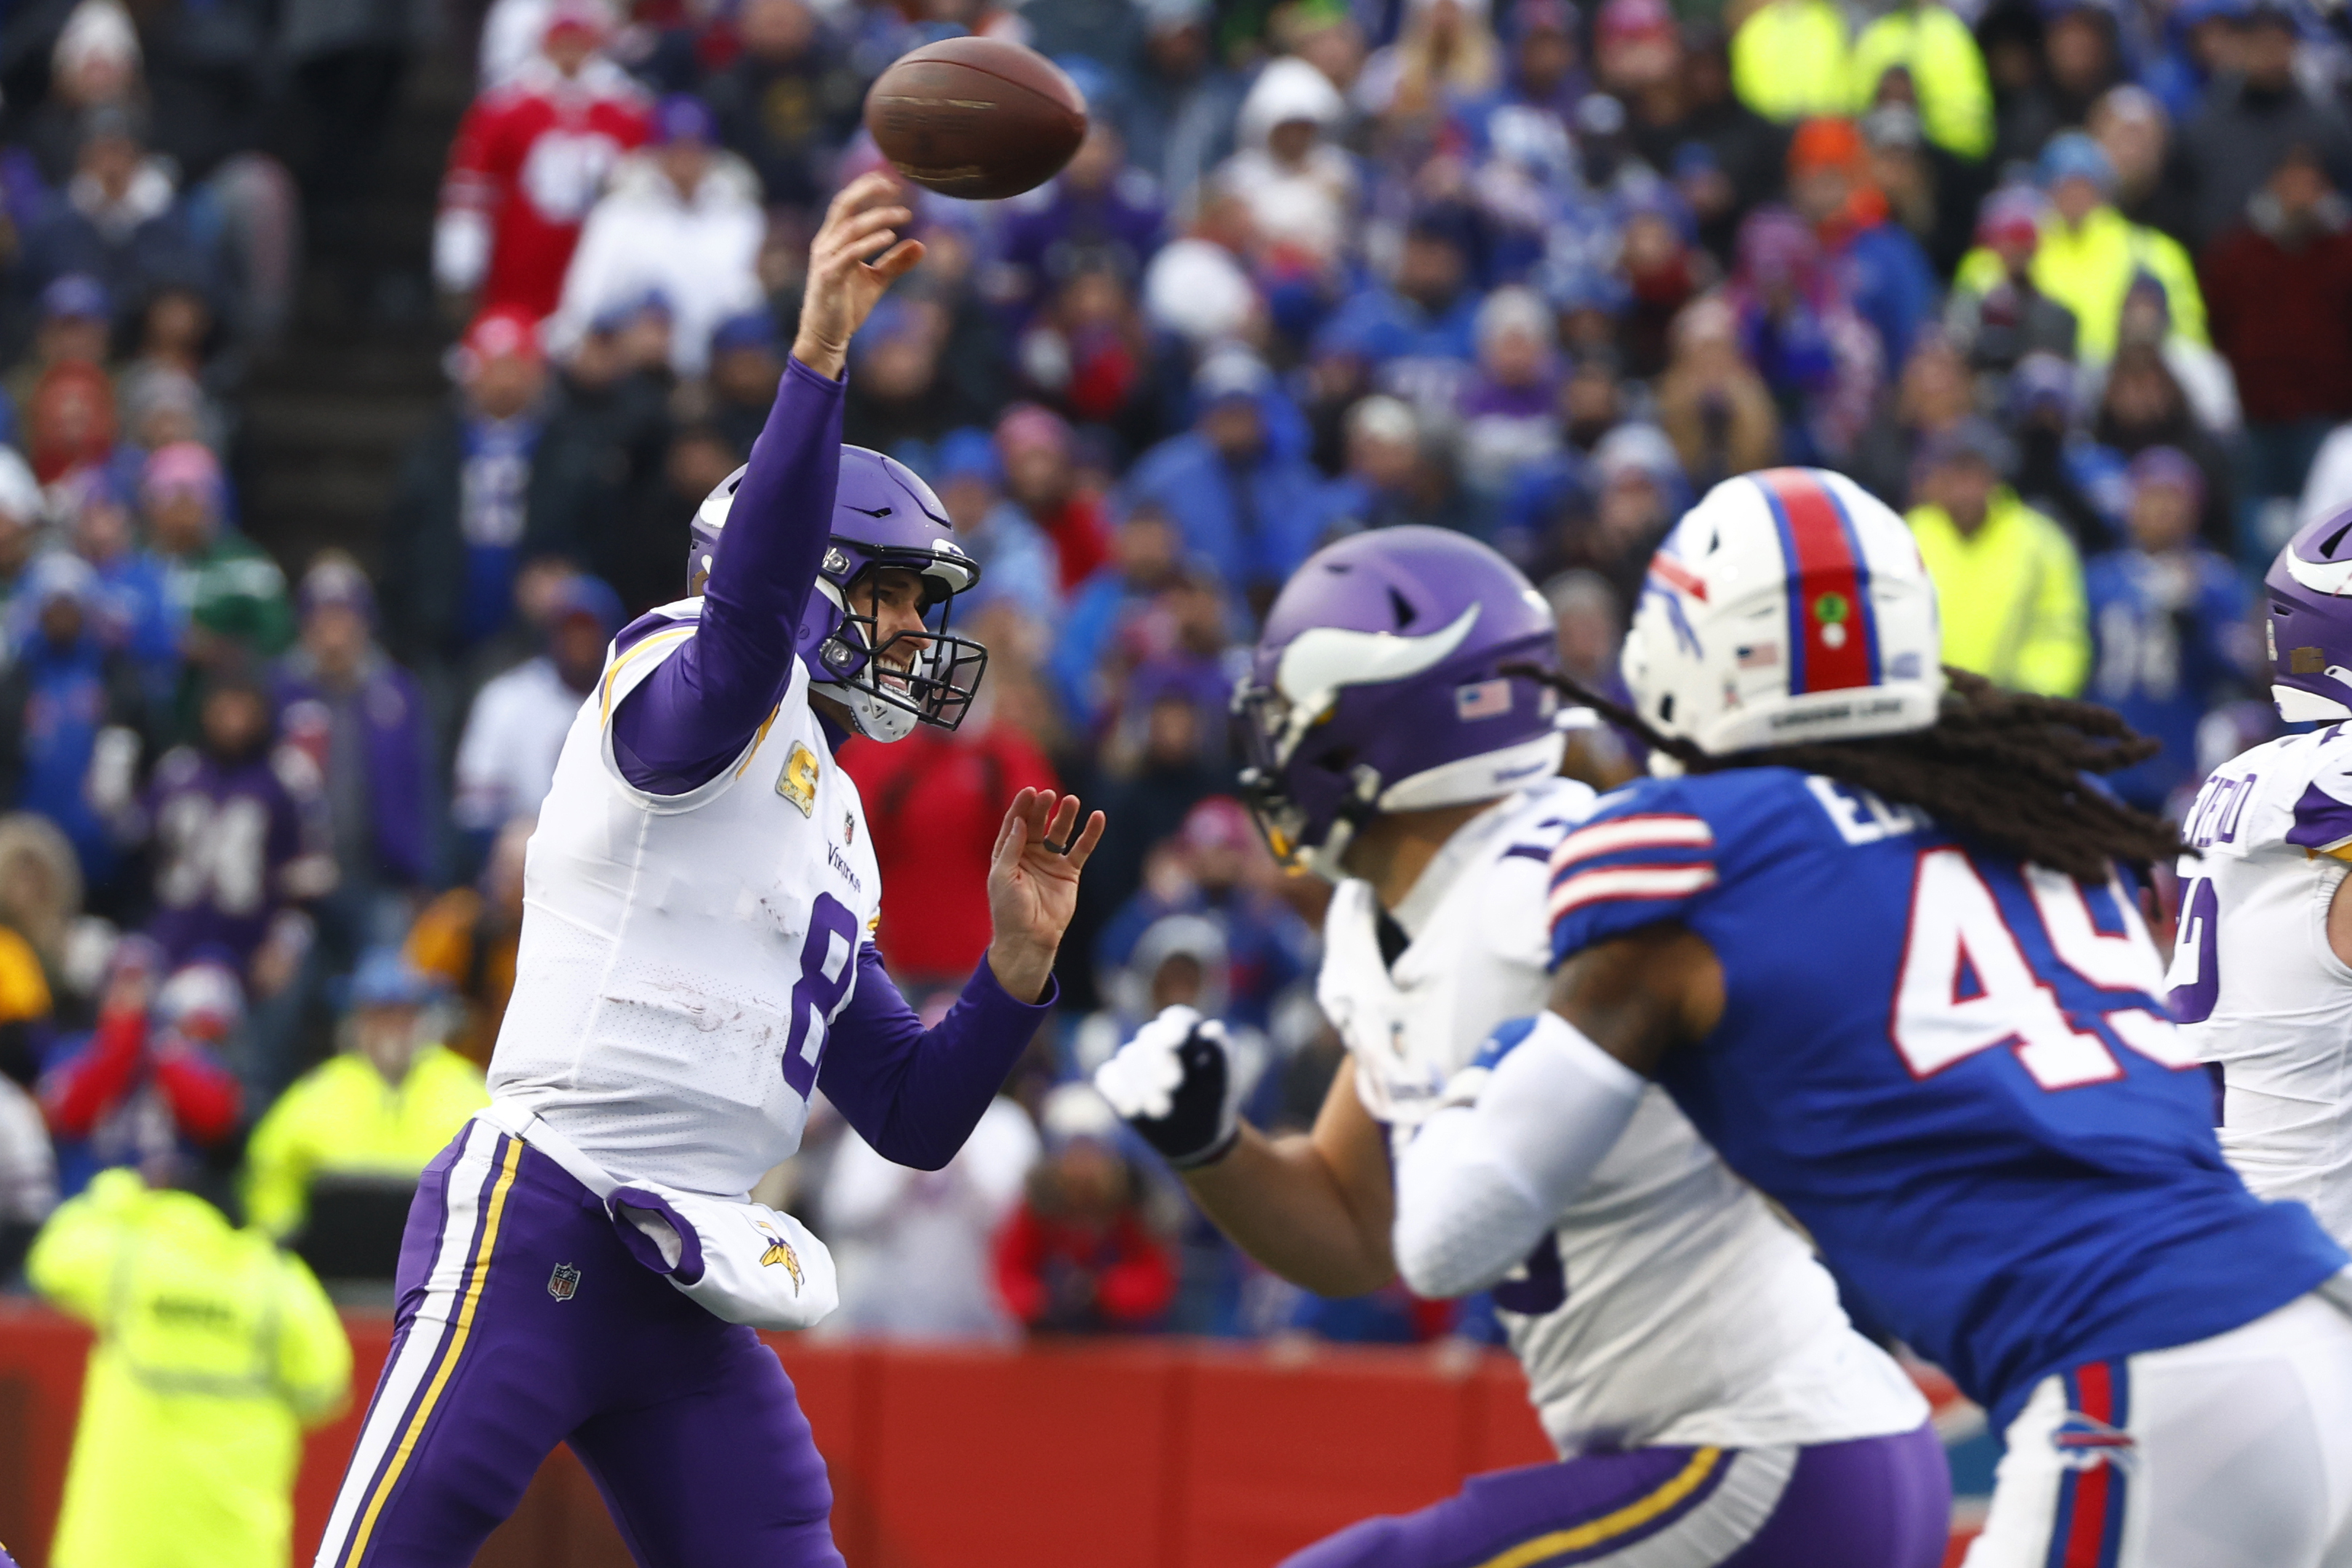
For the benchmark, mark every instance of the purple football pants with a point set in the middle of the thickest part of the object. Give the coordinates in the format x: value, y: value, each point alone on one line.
x: 1875, y: 1502
x: 523, y: 1323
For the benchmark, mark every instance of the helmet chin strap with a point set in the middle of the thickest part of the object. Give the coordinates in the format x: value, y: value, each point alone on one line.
x: 860, y: 714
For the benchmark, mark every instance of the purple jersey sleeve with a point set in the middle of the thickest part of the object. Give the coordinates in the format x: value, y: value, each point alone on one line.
x: 2322, y: 823
x: 915, y: 1094
x: 694, y: 715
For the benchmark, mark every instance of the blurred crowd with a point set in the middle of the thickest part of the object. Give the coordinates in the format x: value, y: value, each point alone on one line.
x: 2068, y: 282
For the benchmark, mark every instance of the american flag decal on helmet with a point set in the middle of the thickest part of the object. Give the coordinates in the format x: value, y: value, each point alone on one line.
x: 1485, y: 699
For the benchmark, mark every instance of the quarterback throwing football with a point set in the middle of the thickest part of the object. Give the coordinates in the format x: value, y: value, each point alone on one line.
x: 582, y: 1264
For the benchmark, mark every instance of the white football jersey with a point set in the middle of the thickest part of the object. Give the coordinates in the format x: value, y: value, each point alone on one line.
x: 683, y: 957
x: 1692, y: 1313
x: 2254, y: 984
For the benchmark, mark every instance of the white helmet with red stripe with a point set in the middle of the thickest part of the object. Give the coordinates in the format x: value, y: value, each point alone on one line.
x: 1788, y: 606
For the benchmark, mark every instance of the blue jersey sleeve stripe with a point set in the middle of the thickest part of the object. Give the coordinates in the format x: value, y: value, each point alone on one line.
x: 1618, y: 883
x: 1655, y: 830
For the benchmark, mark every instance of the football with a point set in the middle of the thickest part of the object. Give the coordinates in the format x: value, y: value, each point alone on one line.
x: 976, y: 117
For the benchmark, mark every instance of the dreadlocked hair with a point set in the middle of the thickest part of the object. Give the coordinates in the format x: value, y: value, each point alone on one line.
x: 2003, y: 768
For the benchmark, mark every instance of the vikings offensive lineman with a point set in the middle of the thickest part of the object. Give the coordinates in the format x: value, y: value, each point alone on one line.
x: 582, y: 1263
x: 2262, y: 970
x: 1874, y: 945
x: 1685, y: 1351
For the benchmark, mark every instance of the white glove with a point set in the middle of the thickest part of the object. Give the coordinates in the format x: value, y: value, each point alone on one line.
x: 1176, y: 1085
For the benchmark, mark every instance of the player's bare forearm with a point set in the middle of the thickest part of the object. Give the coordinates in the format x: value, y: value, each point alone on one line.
x: 1315, y: 1207
x: 1033, y: 886
x: 1639, y: 995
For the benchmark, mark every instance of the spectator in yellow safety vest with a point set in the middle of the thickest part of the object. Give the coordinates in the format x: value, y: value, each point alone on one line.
x: 381, y: 1109
x: 214, y: 1351
x: 2008, y: 583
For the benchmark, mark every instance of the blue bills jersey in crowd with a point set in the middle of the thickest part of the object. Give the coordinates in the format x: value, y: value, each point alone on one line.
x: 1952, y: 1069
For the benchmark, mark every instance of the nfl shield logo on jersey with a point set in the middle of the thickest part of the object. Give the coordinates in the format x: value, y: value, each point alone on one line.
x: 564, y: 1283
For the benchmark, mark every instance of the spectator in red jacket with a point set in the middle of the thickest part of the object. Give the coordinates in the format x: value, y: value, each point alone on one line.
x: 934, y: 802
x: 145, y: 1086
x: 530, y: 159
x: 1036, y: 446
x: 2278, y: 295
x: 1079, y: 1256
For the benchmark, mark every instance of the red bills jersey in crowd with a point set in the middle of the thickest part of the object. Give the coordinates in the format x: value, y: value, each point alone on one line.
x: 530, y: 159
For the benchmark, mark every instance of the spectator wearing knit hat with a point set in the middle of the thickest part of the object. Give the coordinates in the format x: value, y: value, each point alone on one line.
x: 682, y: 218
x: 529, y: 159
x: 374, y: 1113
x: 1017, y: 563
x: 123, y: 220
x: 1822, y: 362
x: 1398, y: 472
x: 1036, y: 449
x: 1215, y: 866
x: 230, y: 588
x: 74, y: 325
x: 361, y: 720
x: 2170, y: 626
x: 461, y: 505
x: 2153, y: 183
x: 506, y: 761
x: 787, y: 100
x: 2279, y: 285
x: 1883, y: 271
x: 1245, y: 499
x: 2251, y: 118
x: 2007, y: 579
x: 134, y: 602
x: 1079, y: 1255
x: 1507, y: 409
x: 1098, y: 212
x: 2001, y: 315
x: 70, y: 697
x: 2089, y: 253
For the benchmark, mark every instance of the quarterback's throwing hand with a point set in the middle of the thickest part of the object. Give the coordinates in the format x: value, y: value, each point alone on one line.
x: 854, y: 258
x: 1175, y: 1083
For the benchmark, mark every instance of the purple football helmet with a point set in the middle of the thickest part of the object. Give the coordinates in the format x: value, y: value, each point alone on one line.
x: 883, y: 515
x: 2310, y: 625
x: 1377, y: 685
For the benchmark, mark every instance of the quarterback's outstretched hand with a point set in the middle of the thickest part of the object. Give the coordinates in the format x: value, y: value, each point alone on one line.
x: 1033, y: 886
x: 1175, y: 1083
x: 849, y: 268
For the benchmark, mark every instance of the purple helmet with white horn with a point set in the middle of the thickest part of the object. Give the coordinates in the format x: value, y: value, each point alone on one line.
x: 1378, y: 687
x: 2309, y: 589
x: 884, y: 516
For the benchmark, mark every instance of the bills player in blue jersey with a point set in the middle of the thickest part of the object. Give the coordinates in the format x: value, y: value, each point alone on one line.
x: 582, y: 1264
x: 1711, y: 1402
x: 1874, y: 942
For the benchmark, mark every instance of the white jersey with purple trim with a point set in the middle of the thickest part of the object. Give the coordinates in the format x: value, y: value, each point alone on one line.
x: 1671, y: 1305
x: 2254, y: 983
x: 683, y: 957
